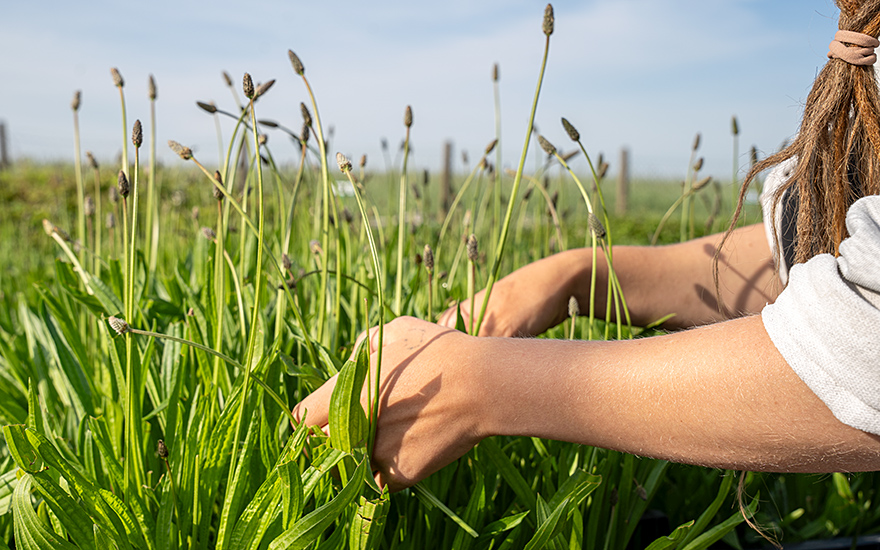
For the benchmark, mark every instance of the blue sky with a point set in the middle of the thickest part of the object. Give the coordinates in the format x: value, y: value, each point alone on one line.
x: 645, y: 74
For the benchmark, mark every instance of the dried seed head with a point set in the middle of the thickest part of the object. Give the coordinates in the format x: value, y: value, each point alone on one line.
x: 418, y: 259
x: 363, y: 162
x: 77, y: 99
x: 227, y: 79
x: 548, y: 20
x: 426, y: 178
x: 570, y: 130
x: 527, y: 195
x: 114, y: 195
x: 571, y: 154
x: 641, y: 492
x: 263, y: 139
x: 702, y: 183
x: 753, y: 156
x: 407, y: 116
x: 464, y: 157
x: 110, y: 221
x: 297, y: 64
x: 698, y: 165
x: 429, y: 259
x: 384, y: 143
x: 495, y: 72
x: 119, y: 325
x: 603, y: 169
x: 117, y: 78
x: 122, y: 184
x: 151, y: 88
x: 546, y: 145
x: 268, y: 123
x: 343, y: 162
x: 696, y: 144
x: 137, y: 134
x: 574, y: 309
x: 304, y: 134
x: 161, y: 449
x: 734, y: 125
x: 263, y: 88
x: 89, y: 206
x: 194, y: 213
x: 416, y: 192
x: 247, y: 86
x: 183, y: 152
x: 472, y: 252
x: 91, y: 159
x: 215, y: 191
x: 209, y: 233
x: 347, y: 215
x: 285, y: 262
x: 491, y: 146
x: 307, y: 116
x: 207, y: 107
x: 596, y: 226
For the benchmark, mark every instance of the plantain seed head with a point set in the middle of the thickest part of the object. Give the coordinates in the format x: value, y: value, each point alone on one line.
x: 596, y: 226
x: 122, y: 184
x: 734, y: 125
x: 407, y: 116
x: 297, y: 64
x: 151, y: 88
x: 574, y: 309
x: 137, y: 134
x: 548, y: 147
x: 161, y: 449
x: 183, y: 152
x: 570, y: 130
x: 343, y: 162
x: 77, y: 100
x: 247, y: 86
x: 92, y: 160
x: 429, y: 258
x: 207, y: 107
x: 119, y: 325
x: 472, y: 248
x: 495, y: 72
x: 117, y: 78
x: 263, y: 88
x: 491, y: 146
x: 227, y: 79
x: 548, y: 20
x: 307, y: 116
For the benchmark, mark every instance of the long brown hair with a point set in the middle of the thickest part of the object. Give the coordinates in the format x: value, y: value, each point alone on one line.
x: 837, y: 147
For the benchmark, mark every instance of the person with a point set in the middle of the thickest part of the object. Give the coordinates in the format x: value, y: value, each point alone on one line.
x: 778, y: 370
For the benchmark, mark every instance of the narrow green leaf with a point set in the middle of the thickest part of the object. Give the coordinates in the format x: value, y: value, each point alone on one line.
x: 310, y: 527
x: 549, y: 528
x: 673, y: 540
x: 716, y: 533
x: 368, y: 523
x: 504, y: 524
x: 424, y: 494
x: 30, y: 532
x: 348, y: 422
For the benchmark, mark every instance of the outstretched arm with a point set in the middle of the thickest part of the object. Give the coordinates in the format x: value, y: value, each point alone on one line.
x: 719, y: 396
x: 656, y: 281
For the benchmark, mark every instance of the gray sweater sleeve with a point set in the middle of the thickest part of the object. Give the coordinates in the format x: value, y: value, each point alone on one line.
x: 826, y: 323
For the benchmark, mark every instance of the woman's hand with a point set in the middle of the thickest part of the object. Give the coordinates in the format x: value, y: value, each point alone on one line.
x: 429, y: 411
x: 530, y: 300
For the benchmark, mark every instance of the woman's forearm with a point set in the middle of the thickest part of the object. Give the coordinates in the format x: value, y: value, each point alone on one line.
x: 718, y: 396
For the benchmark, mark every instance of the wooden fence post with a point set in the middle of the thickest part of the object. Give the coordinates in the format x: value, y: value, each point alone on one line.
x: 623, y: 183
x: 446, y: 178
x: 4, y: 156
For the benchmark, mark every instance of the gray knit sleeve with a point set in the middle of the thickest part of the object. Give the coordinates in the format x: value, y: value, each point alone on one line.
x: 826, y: 323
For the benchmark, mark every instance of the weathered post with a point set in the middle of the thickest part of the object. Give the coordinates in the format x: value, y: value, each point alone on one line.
x: 4, y: 156
x: 446, y: 178
x: 623, y: 183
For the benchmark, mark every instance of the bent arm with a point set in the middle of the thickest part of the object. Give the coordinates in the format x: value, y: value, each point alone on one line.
x: 656, y: 282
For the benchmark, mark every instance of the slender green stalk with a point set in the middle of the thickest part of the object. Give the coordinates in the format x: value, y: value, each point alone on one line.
x: 496, y: 210
x: 153, y: 193
x: 80, y: 187
x: 401, y: 216
x: 502, y: 239
x: 345, y: 166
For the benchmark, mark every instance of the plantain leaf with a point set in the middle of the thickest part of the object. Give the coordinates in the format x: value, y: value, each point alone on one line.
x: 309, y: 528
x: 348, y: 422
x: 30, y: 532
x: 673, y: 540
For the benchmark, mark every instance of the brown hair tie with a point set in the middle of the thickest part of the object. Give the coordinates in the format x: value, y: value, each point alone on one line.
x: 862, y: 55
